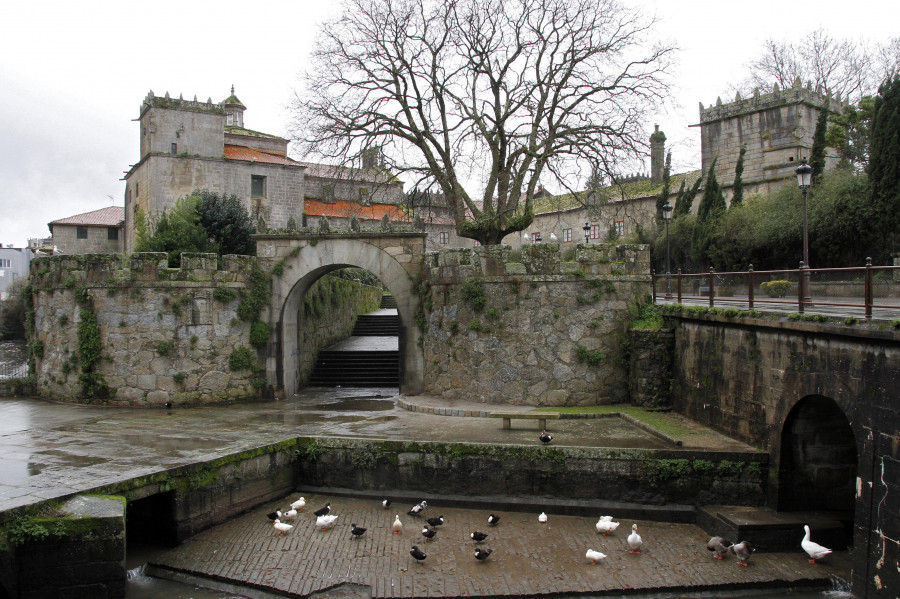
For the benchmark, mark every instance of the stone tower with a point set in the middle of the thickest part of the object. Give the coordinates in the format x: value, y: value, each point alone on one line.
x: 776, y: 128
x: 657, y: 156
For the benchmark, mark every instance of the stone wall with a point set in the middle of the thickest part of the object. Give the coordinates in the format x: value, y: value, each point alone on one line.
x: 572, y: 474
x: 540, y: 332
x: 78, y: 553
x: 650, y: 367
x: 165, y: 335
x: 753, y: 379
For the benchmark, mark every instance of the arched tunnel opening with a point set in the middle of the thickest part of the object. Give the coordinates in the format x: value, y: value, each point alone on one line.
x: 818, y: 465
x: 149, y: 526
x: 354, y: 340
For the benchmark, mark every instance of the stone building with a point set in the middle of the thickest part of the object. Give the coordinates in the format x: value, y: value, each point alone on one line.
x: 190, y: 144
x: 95, y: 232
x: 776, y: 128
x: 13, y: 265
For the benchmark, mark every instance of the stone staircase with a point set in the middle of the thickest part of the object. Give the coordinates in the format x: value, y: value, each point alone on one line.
x: 768, y: 530
x: 363, y: 363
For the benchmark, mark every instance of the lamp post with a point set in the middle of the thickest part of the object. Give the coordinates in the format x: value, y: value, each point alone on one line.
x: 587, y: 232
x: 804, y: 178
x: 667, y: 216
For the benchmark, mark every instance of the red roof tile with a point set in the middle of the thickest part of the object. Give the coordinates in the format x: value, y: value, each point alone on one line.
x: 346, y: 209
x: 113, y: 216
x: 253, y: 155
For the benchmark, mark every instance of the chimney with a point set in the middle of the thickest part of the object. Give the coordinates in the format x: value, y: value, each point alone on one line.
x: 657, y: 156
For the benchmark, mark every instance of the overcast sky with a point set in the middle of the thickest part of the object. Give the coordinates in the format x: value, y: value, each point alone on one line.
x: 73, y: 75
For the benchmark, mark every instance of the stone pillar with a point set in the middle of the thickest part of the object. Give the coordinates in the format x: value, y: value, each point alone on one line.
x: 650, y: 367
x: 657, y: 156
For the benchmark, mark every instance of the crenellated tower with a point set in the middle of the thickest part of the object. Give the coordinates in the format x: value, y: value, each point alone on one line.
x: 776, y: 128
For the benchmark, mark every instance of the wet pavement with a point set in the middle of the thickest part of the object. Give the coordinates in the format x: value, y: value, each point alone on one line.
x: 529, y: 558
x: 50, y: 450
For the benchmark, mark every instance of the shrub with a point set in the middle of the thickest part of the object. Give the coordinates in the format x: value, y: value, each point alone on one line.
x: 473, y: 294
x: 224, y: 294
x: 259, y: 333
x: 590, y: 356
x: 165, y: 348
x: 776, y: 288
x: 242, y: 358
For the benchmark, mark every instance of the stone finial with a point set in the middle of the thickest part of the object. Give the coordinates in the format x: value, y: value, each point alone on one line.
x: 418, y: 223
x: 181, y: 97
x: 797, y: 82
x: 775, y: 88
x: 150, y: 95
x: 354, y: 223
x: 719, y: 101
x: 386, y: 225
x: 195, y: 97
x: 324, y: 225
x: 701, y: 106
x: 737, y: 96
x: 167, y: 96
x: 756, y: 92
x: 209, y: 101
x: 232, y: 89
x: 808, y: 85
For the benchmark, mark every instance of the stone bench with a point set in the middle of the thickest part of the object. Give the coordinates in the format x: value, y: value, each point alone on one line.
x: 541, y: 417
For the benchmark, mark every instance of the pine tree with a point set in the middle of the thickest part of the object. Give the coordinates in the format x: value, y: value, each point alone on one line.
x: 817, y: 153
x: 738, y: 198
x: 884, y: 165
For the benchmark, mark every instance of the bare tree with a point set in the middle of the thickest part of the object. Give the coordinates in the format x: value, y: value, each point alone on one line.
x: 504, y: 92
x: 841, y: 66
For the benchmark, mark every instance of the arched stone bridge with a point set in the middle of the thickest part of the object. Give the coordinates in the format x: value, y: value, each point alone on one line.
x: 395, y: 258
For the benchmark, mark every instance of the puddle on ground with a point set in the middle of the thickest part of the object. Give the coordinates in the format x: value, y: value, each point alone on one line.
x: 171, y: 443
x: 356, y: 404
x: 65, y: 460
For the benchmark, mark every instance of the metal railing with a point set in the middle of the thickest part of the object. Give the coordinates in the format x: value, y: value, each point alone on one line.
x: 13, y: 371
x: 840, y: 291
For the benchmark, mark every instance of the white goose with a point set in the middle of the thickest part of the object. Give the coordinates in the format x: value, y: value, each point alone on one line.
x: 542, y: 518
x: 281, y: 527
x: 605, y: 525
x: 398, y: 526
x: 634, y: 540
x: 814, y: 550
x: 325, y: 522
x: 594, y: 556
x: 298, y: 505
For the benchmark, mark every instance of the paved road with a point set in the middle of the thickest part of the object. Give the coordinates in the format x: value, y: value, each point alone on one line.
x: 528, y: 559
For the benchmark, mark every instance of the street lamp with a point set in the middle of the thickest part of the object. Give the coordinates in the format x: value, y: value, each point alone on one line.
x: 587, y: 232
x: 804, y: 178
x: 667, y: 216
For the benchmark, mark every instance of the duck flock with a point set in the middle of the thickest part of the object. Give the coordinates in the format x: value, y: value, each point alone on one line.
x: 284, y: 521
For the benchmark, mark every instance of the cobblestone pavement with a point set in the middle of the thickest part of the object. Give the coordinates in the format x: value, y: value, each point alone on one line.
x: 528, y: 559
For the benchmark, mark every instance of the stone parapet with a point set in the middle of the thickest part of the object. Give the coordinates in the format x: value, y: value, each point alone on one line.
x: 777, y: 97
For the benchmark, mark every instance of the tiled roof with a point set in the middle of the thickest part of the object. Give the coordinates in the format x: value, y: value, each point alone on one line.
x: 235, y: 130
x: 253, y: 155
x: 113, y: 216
x: 614, y: 193
x: 346, y: 209
x: 328, y: 171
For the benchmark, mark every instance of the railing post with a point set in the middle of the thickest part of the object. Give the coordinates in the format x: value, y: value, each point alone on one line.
x: 678, y: 285
x: 801, y: 291
x: 869, y: 295
x: 653, y: 283
x: 712, y: 289
x: 750, y: 288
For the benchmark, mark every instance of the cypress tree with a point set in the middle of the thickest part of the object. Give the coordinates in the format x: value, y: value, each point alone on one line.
x: 712, y: 206
x: 884, y: 165
x: 817, y: 153
x: 738, y: 198
x: 685, y: 199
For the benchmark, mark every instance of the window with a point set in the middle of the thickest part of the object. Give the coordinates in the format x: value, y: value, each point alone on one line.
x: 229, y: 119
x: 257, y: 186
x: 620, y: 227
x: 595, y: 231
x: 567, y: 235
x: 112, y: 233
x: 328, y: 194
x: 174, y: 148
x: 137, y: 187
x: 445, y: 238
x: 80, y: 232
x: 5, y: 263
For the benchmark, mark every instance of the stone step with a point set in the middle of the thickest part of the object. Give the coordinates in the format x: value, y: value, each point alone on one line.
x: 377, y: 326
x: 388, y: 301
x: 356, y: 368
x: 768, y: 530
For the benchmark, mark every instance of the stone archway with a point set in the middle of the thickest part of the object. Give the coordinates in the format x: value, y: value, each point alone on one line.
x: 395, y: 258
x: 819, y: 460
